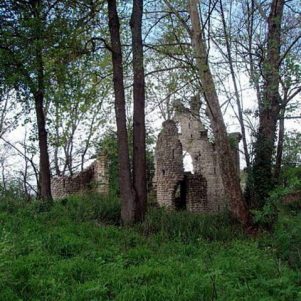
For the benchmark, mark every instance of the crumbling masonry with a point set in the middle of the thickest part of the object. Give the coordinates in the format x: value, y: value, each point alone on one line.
x: 202, y: 190
x: 93, y: 178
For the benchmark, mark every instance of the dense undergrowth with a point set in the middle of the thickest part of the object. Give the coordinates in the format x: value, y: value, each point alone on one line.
x: 78, y: 251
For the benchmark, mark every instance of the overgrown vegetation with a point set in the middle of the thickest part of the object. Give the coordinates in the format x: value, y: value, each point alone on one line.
x: 78, y: 251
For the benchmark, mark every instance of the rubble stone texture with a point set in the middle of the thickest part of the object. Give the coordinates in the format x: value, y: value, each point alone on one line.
x: 169, y: 164
x: 199, y: 191
x: 93, y: 178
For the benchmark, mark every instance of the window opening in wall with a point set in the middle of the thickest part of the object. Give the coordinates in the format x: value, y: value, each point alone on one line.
x: 173, y: 153
x: 163, y: 172
x: 180, y: 195
x: 187, y: 162
x: 179, y: 128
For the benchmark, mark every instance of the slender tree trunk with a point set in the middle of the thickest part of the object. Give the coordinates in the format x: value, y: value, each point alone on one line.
x: 239, y: 107
x: 3, y: 174
x: 56, y: 162
x: 56, y: 148
x: 279, y: 146
x: 230, y: 178
x: 250, y: 25
x: 44, y: 175
x: 25, y: 170
x: 269, y: 108
x: 139, y: 157
x: 126, y: 191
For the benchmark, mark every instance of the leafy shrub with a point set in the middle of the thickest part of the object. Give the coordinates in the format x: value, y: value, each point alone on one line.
x: 12, y: 198
x: 267, y: 216
x: 291, y: 178
x: 286, y: 239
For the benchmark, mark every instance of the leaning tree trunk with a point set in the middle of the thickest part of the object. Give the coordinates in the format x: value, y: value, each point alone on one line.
x: 230, y: 178
x: 139, y: 157
x: 126, y: 191
x: 262, y: 181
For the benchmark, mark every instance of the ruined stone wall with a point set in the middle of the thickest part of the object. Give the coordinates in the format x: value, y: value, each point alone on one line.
x: 204, y: 190
x: 195, y: 141
x: 196, y: 197
x: 169, y: 165
x: 101, y: 175
x: 93, y: 178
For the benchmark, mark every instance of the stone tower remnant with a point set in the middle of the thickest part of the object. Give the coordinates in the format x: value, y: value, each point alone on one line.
x: 168, y: 164
x: 202, y: 190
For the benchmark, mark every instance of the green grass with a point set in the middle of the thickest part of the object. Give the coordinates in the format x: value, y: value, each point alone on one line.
x: 78, y: 251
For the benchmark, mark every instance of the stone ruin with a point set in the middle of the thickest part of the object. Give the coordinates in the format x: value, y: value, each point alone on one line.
x: 94, y: 178
x: 198, y: 191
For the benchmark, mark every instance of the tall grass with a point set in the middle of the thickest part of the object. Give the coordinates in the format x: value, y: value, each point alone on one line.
x: 189, y: 227
x: 77, y: 250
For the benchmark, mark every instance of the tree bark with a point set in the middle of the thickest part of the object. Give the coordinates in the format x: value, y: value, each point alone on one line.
x: 44, y: 174
x: 236, y: 92
x: 139, y: 156
x: 230, y: 178
x: 126, y: 191
x: 262, y: 181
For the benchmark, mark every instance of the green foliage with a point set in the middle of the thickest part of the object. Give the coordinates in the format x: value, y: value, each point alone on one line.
x: 108, y: 145
x: 75, y: 251
x: 11, y: 197
x: 266, y: 216
x: 291, y: 177
x: 292, y: 149
x: 93, y: 207
x: 260, y: 181
x: 285, y: 242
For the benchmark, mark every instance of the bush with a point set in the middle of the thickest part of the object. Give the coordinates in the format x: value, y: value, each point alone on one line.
x: 266, y: 217
x: 291, y: 177
x: 286, y: 239
x: 12, y: 198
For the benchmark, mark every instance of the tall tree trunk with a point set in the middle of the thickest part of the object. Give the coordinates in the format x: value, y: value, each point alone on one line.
x: 230, y: 178
x: 126, y: 191
x: 139, y: 157
x: 262, y: 181
x: 250, y: 26
x: 44, y: 174
x: 239, y: 106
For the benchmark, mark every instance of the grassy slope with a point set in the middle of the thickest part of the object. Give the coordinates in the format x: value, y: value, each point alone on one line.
x: 74, y: 252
